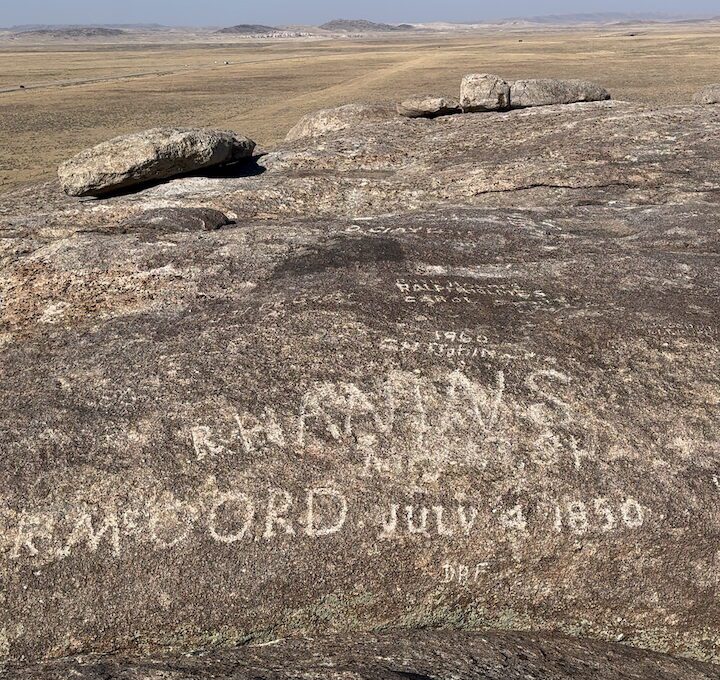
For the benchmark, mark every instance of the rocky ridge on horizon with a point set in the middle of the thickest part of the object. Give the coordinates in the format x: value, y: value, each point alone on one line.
x: 363, y: 26
x: 76, y: 32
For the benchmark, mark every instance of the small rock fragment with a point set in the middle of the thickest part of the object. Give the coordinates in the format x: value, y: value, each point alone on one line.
x: 484, y: 92
x: 710, y: 94
x: 156, y: 154
x: 546, y: 92
x: 427, y: 106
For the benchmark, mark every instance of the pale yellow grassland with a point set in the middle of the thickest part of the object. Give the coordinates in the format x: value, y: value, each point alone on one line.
x: 79, y: 94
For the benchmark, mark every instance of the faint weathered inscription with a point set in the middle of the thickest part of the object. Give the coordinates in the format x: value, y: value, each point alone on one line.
x: 460, y: 573
x: 395, y: 230
x: 278, y: 305
x: 684, y: 330
x: 407, y: 423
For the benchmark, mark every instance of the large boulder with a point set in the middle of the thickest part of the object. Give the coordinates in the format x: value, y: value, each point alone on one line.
x: 545, y: 92
x: 149, y: 156
x: 427, y: 106
x: 484, y: 92
x: 325, y: 121
x: 421, y: 655
x: 710, y: 94
x: 419, y: 383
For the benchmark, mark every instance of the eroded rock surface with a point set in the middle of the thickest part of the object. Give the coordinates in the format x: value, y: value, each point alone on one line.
x: 420, y: 655
x: 708, y: 95
x: 148, y: 156
x: 424, y: 380
x: 524, y: 93
x: 174, y: 220
x: 428, y: 106
x: 340, y: 118
x: 484, y: 92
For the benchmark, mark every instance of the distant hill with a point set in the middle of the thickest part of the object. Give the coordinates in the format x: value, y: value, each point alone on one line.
x: 596, y: 18
x: 248, y: 29
x: 699, y: 21
x: 83, y: 32
x: 27, y: 28
x: 362, y: 26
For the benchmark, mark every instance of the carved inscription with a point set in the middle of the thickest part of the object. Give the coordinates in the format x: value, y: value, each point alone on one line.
x: 403, y: 429
x: 455, y: 347
x: 427, y: 291
x: 395, y: 231
x: 166, y: 522
x: 409, y: 424
x: 239, y: 517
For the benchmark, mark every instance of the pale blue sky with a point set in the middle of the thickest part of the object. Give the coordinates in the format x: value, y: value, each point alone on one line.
x: 226, y: 12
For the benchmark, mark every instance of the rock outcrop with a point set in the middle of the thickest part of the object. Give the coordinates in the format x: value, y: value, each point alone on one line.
x: 420, y: 655
x: 149, y: 156
x: 428, y: 106
x: 708, y: 95
x: 457, y: 374
x: 340, y: 118
x: 484, y: 92
x: 546, y: 92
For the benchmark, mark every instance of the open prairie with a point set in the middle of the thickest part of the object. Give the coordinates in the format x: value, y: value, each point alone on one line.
x: 77, y: 94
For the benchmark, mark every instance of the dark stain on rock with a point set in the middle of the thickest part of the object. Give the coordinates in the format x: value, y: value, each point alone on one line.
x: 341, y: 253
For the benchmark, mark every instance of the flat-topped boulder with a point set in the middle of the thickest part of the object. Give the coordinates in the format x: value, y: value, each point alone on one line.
x: 149, y: 156
x: 427, y: 106
x: 546, y: 92
x: 389, y: 656
x: 484, y: 92
x: 325, y: 121
x: 710, y: 94
x: 425, y: 379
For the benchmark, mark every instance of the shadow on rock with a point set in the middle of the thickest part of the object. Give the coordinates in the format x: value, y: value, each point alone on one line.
x: 244, y: 168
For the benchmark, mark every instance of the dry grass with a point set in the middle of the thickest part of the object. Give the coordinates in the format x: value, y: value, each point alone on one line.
x: 269, y: 85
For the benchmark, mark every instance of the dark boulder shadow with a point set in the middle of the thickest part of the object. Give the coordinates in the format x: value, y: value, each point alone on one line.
x: 248, y: 167
x: 245, y: 168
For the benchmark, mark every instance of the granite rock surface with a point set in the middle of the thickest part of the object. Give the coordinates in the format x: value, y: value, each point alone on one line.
x: 428, y: 106
x: 149, y: 156
x: 708, y: 95
x: 324, y: 121
x: 458, y: 373
x: 484, y: 92
x: 546, y: 92
x: 419, y: 655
